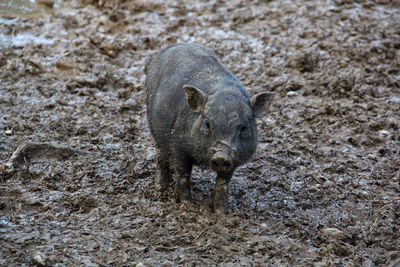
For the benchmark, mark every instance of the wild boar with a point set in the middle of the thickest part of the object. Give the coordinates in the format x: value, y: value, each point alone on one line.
x: 199, y: 113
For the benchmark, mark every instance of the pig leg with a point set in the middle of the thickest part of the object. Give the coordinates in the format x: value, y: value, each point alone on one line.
x: 220, y: 197
x: 165, y: 171
x: 183, y: 170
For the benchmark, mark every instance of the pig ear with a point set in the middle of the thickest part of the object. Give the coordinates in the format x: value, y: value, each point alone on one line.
x: 261, y: 102
x: 195, y: 97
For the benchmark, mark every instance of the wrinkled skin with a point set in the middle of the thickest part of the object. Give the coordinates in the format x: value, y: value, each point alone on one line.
x: 199, y: 114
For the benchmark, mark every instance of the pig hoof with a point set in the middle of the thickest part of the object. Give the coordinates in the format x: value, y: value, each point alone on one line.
x: 220, y: 208
x: 206, y: 205
x: 220, y: 211
x: 186, y: 205
x: 183, y: 197
x: 163, y: 185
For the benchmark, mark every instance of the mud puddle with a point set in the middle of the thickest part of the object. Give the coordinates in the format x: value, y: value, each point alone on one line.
x: 29, y: 8
x: 322, y: 190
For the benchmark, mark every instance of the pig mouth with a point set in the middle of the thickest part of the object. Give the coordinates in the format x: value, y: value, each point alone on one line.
x: 222, y: 158
x: 221, y: 162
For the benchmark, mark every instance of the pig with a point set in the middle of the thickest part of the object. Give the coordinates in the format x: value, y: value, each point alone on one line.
x: 199, y: 114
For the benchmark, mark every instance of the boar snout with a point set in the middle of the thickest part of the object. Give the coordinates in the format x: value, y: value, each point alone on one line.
x: 221, y: 162
x: 222, y: 158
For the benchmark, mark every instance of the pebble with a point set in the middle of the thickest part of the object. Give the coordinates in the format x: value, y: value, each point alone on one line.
x: 38, y: 259
x: 291, y: 93
x: 334, y: 233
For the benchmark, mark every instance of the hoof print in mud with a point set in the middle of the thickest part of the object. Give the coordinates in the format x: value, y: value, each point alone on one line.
x: 199, y: 114
x: 27, y: 153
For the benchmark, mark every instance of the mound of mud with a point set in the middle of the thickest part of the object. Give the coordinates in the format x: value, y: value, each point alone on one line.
x: 323, y: 188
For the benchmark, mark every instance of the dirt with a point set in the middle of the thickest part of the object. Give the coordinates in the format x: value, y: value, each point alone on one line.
x: 77, y: 161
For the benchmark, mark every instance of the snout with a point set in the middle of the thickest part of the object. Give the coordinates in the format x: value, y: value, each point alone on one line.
x: 221, y: 162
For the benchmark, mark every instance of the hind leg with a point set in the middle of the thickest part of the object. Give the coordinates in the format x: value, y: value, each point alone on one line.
x: 165, y: 171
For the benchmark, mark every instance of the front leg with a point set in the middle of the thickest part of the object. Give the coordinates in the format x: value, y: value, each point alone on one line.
x: 165, y: 171
x: 220, y: 197
x: 183, y: 170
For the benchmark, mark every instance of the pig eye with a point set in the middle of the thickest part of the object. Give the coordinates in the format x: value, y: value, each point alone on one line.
x: 244, y: 132
x: 207, y: 126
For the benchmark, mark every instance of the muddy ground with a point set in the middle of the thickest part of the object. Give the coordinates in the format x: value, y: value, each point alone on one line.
x: 322, y: 190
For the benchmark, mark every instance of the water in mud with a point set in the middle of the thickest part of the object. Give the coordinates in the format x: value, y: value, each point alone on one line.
x: 28, y: 8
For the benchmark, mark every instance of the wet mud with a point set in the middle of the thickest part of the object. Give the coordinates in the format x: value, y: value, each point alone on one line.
x: 77, y: 162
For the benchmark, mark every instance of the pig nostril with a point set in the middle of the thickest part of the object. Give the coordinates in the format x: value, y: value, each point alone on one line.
x: 226, y: 165
x: 221, y: 164
x: 214, y: 164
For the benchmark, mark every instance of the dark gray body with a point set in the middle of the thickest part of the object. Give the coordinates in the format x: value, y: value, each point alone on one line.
x: 199, y: 113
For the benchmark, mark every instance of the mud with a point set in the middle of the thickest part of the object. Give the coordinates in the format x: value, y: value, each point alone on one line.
x: 322, y: 190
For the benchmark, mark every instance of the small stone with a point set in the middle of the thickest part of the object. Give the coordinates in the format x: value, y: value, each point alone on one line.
x: 8, y: 132
x: 111, y: 53
x: 384, y: 134
x: 38, y: 259
x: 334, y: 233
x: 291, y: 93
